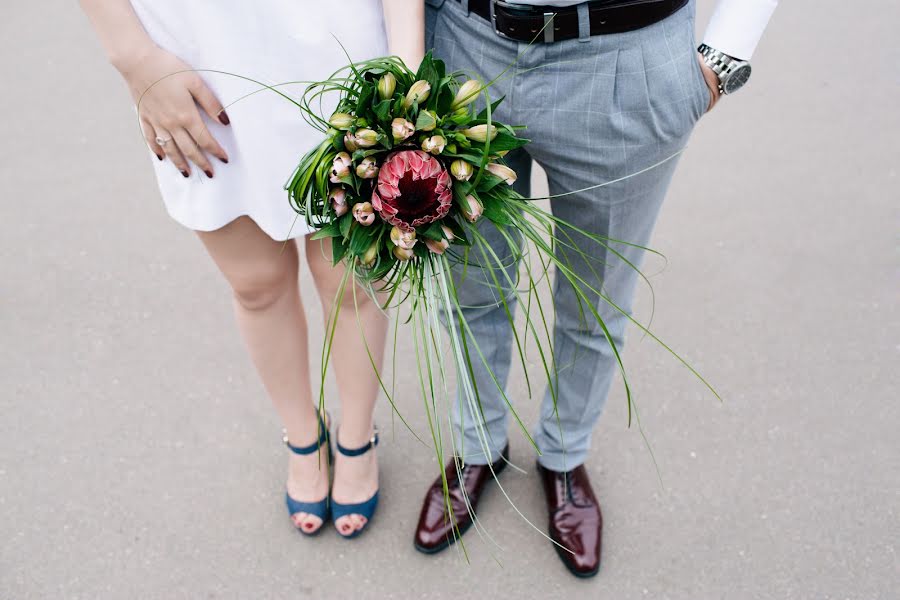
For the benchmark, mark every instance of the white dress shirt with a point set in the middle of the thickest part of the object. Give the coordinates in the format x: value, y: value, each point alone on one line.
x: 735, y: 27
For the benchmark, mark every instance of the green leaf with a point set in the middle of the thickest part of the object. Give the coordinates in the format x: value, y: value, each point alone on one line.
x: 444, y: 95
x: 460, y: 120
x: 338, y: 250
x: 383, y: 267
x: 365, y: 99
x: 397, y: 109
x: 506, y: 141
x: 361, y: 154
x: 457, y: 230
x: 496, y: 212
x: 344, y: 224
x: 440, y: 68
x: 349, y: 180
x: 361, y: 239
x: 462, y: 187
x: 383, y: 110
x: 425, y: 121
x: 488, y: 182
x: 484, y: 113
x: 330, y: 230
x: 475, y: 159
x: 433, y: 231
x: 427, y: 70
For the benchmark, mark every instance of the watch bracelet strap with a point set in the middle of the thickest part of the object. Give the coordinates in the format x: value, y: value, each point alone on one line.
x: 718, y: 61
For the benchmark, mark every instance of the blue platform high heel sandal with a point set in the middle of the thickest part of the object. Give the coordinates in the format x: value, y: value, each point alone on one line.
x: 365, y: 509
x: 322, y: 507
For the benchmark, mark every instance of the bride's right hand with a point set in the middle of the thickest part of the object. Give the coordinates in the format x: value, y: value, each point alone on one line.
x: 167, y: 93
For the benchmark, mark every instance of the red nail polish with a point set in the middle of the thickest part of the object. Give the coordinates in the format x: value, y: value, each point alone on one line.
x: 159, y: 156
x: 224, y: 160
x: 223, y: 118
x: 185, y: 173
x: 209, y: 173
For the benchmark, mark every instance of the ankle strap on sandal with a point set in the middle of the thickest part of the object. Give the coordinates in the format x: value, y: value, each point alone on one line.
x: 314, y: 447
x: 362, y: 449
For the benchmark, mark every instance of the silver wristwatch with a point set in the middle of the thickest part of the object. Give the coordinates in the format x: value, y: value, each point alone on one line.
x: 733, y: 73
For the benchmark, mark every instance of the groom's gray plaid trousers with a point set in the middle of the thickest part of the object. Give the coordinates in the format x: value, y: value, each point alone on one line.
x: 596, y: 109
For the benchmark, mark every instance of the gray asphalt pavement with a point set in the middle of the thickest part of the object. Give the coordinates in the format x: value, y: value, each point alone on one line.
x: 139, y: 457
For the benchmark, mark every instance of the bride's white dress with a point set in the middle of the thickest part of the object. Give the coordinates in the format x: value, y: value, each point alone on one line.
x: 273, y: 41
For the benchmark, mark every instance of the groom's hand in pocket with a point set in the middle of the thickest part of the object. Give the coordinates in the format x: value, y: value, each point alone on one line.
x: 712, y: 82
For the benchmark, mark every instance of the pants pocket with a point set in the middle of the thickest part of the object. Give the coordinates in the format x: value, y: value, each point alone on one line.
x: 703, y: 93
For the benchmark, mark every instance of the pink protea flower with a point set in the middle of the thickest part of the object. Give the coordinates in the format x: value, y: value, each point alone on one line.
x: 413, y: 189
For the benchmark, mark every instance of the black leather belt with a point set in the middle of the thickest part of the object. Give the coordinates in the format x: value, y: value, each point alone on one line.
x: 524, y: 22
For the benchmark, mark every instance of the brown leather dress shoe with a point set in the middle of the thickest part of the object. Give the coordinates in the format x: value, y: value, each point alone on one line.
x: 436, y: 529
x: 575, y: 520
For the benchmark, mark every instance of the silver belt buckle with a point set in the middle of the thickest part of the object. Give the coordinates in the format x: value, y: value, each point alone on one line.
x: 548, y: 18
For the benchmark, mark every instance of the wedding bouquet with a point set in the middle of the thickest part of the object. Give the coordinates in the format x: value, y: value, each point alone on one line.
x: 405, y: 164
x: 406, y: 174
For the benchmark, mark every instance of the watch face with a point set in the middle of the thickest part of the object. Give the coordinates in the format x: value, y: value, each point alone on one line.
x: 737, y: 78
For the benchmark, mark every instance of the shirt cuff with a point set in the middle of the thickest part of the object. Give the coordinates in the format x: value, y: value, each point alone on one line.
x: 737, y: 25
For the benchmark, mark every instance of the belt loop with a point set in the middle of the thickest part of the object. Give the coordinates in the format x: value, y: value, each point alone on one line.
x: 465, y: 6
x: 584, y: 22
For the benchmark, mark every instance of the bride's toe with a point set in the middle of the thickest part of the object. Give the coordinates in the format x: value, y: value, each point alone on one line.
x: 345, y: 525
x: 306, y: 522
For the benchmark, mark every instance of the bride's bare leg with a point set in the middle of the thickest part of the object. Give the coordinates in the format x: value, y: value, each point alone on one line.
x: 263, y: 275
x: 356, y: 478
